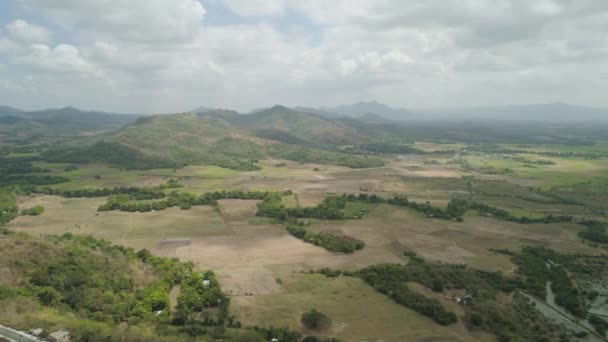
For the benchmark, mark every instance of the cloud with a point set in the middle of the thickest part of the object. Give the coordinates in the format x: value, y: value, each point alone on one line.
x: 164, y: 55
x: 256, y: 7
x: 63, y: 59
x: 133, y: 20
x: 26, y: 33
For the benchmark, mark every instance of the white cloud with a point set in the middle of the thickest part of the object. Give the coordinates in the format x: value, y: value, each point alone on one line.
x: 64, y: 58
x: 134, y: 20
x: 26, y: 33
x: 256, y: 7
x: 161, y: 55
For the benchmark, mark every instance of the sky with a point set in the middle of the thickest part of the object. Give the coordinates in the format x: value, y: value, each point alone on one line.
x: 159, y: 56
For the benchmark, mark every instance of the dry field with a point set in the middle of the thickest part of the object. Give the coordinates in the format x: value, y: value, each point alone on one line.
x: 358, y: 312
x: 258, y: 263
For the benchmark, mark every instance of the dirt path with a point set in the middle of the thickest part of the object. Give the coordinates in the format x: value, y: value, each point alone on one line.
x: 129, y: 228
x: 173, y: 294
x: 16, y: 335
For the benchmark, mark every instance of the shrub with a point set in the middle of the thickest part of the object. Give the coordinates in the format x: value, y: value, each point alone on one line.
x: 315, y: 320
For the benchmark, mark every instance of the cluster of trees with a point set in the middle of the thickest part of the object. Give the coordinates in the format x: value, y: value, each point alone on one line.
x: 399, y: 200
x: 183, y: 200
x: 315, y: 320
x: 331, y: 242
x: 30, y: 179
x: 518, y: 322
x: 329, y: 209
x: 198, y: 292
x: 388, y: 148
x: 18, y: 166
x: 115, y: 154
x: 599, y: 324
x: 8, y: 206
x: 175, y: 199
x: 306, y: 155
x: 391, y: 279
x: 137, y: 193
x: 94, y: 279
x: 237, y: 164
x: 33, y: 211
x: 595, y: 231
x: 539, y: 266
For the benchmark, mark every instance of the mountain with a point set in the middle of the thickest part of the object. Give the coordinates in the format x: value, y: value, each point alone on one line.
x: 63, y: 121
x: 202, y: 109
x: 551, y: 112
x: 318, y: 112
x: 373, y: 107
x: 221, y: 137
x: 9, y: 111
x: 306, y: 127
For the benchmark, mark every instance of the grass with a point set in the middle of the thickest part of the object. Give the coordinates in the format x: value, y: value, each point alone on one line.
x: 290, y: 201
x: 566, y: 171
x: 23, y: 154
x: 358, y: 312
x: 80, y: 216
x: 429, y: 146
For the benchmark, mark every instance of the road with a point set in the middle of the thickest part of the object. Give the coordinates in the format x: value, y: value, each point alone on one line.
x: 16, y: 336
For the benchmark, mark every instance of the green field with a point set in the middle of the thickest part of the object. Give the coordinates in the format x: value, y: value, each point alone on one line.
x: 357, y: 311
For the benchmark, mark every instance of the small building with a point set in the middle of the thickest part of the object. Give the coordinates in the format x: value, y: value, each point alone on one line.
x: 206, y: 282
x: 59, y: 336
x: 464, y: 300
x: 36, y: 332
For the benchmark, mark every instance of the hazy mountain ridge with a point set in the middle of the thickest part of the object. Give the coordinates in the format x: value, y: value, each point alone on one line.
x: 67, y: 120
x: 553, y: 112
x: 375, y: 112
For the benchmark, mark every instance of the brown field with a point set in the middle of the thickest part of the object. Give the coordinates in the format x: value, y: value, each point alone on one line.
x: 258, y: 263
x: 358, y: 312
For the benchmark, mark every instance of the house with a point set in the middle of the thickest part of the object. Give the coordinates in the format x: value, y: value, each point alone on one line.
x: 59, y: 336
x: 36, y: 332
x: 464, y: 300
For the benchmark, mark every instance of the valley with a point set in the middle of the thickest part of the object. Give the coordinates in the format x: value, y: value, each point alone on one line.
x: 294, y: 217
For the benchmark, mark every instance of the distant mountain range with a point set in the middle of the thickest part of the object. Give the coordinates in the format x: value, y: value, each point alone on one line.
x: 368, y: 111
x: 230, y: 139
x: 68, y: 120
x: 550, y: 112
x: 375, y: 112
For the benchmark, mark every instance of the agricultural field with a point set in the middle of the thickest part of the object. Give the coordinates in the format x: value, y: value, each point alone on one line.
x: 266, y: 270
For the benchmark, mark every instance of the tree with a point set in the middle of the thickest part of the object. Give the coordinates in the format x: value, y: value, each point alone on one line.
x: 315, y: 320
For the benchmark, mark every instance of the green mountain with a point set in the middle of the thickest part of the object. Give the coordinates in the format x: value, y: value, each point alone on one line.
x: 220, y: 137
x: 69, y: 121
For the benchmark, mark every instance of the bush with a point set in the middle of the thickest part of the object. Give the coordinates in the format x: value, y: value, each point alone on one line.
x: 315, y: 320
x: 33, y: 211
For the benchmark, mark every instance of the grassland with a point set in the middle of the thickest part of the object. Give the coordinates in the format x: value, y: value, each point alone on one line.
x: 358, y: 312
x: 250, y: 253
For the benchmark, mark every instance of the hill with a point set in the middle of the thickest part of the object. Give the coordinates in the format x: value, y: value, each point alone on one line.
x: 372, y: 107
x: 541, y: 112
x: 45, y: 126
x: 220, y: 137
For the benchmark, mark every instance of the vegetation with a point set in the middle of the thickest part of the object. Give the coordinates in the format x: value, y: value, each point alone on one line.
x: 599, y: 324
x: 113, y: 154
x: 305, y: 155
x: 315, y: 320
x: 8, y: 206
x: 482, y: 307
x: 33, y: 211
x: 391, y: 279
x: 331, y: 242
